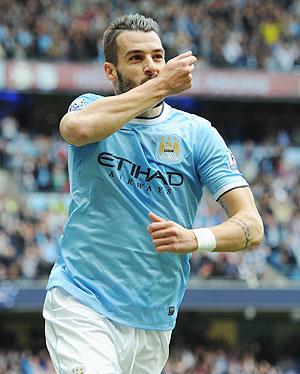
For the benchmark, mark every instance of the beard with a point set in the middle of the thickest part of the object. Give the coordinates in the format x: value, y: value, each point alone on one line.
x: 126, y: 84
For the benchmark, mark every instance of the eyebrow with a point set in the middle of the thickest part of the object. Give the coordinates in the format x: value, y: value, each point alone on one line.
x: 132, y: 51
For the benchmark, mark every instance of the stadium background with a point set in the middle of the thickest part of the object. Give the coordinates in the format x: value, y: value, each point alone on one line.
x: 241, y: 311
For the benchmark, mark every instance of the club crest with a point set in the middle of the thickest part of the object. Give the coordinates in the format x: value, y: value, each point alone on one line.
x: 78, y: 370
x: 169, y: 149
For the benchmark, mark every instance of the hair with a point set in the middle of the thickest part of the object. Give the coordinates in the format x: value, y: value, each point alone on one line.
x: 136, y: 22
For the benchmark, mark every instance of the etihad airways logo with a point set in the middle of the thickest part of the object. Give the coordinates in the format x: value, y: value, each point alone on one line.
x: 134, y: 175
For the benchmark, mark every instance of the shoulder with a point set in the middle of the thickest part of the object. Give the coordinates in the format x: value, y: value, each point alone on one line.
x: 198, y: 129
x: 82, y: 101
x: 193, y: 120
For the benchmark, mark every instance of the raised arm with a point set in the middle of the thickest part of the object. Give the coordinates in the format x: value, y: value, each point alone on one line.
x: 104, y: 117
x: 243, y: 229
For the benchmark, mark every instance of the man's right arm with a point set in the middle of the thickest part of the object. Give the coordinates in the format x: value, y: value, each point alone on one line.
x: 104, y: 117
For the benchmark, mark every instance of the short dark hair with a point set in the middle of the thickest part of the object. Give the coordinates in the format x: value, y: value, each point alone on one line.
x: 136, y: 22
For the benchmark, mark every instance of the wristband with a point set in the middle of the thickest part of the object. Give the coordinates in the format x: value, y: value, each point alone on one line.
x: 206, y: 239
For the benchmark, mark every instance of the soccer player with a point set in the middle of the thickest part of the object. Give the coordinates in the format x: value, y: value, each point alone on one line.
x: 137, y: 170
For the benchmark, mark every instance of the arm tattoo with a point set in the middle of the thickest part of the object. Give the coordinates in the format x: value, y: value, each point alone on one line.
x: 224, y: 207
x: 244, y: 227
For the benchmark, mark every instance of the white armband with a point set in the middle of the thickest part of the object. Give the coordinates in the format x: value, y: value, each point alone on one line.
x: 206, y: 239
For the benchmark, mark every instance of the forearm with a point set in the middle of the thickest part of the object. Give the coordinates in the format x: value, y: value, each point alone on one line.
x: 242, y: 231
x: 106, y: 116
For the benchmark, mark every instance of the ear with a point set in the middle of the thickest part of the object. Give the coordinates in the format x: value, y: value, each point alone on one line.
x: 110, y: 71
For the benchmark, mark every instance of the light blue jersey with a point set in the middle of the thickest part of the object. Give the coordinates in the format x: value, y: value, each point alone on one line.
x: 107, y: 259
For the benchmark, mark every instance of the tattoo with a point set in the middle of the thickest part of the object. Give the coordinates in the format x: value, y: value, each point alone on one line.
x: 245, y: 229
x: 239, y: 222
x: 224, y: 207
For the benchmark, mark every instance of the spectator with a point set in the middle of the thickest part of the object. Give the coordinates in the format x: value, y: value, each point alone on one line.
x: 229, y: 33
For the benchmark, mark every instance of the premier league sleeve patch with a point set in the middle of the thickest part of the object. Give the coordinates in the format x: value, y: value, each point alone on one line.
x: 169, y: 149
x: 232, y: 161
x: 77, y: 104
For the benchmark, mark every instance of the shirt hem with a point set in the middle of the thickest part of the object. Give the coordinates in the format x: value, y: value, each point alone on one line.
x: 72, y: 290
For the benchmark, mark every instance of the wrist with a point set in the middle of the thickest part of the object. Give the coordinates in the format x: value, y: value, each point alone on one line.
x: 161, y: 87
x: 206, y: 240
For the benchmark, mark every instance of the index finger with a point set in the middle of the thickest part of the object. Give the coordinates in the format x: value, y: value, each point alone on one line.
x: 189, y: 60
x: 155, y: 226
x: 186, y: 60
x: 182, y: 55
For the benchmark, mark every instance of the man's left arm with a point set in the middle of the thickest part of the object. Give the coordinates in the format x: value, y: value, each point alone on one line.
x: 242, y: 230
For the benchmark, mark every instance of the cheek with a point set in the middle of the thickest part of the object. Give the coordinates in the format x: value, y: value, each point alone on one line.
x: 162, y: 64
x: 133, y: 72
x: 136, y: 75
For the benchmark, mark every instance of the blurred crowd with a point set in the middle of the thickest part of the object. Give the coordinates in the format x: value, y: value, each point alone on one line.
x: 29, y: 235
x: 33, y: 207
x: 200, y: 360
x: 204, y: 360
x: 30, y: 223
x: 25, y: 362
x: 222, y: 33
x: 38, y: 162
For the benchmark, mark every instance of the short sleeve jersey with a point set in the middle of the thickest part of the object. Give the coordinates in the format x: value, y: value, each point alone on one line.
x: 106, y: 258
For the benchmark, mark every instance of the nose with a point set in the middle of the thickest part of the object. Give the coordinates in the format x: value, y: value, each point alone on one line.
x: 150, y: 68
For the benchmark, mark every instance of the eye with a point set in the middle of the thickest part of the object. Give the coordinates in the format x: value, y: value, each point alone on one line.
x: 159, y: 56
x: 135, y: 58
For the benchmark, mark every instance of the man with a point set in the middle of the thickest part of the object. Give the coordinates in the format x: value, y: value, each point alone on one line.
x: 137, y: 170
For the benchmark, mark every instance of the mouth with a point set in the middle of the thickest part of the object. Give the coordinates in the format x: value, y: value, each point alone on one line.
x: 149, y: 78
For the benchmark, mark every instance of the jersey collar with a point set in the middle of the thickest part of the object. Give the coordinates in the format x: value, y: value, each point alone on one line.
x: 153, y: 120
